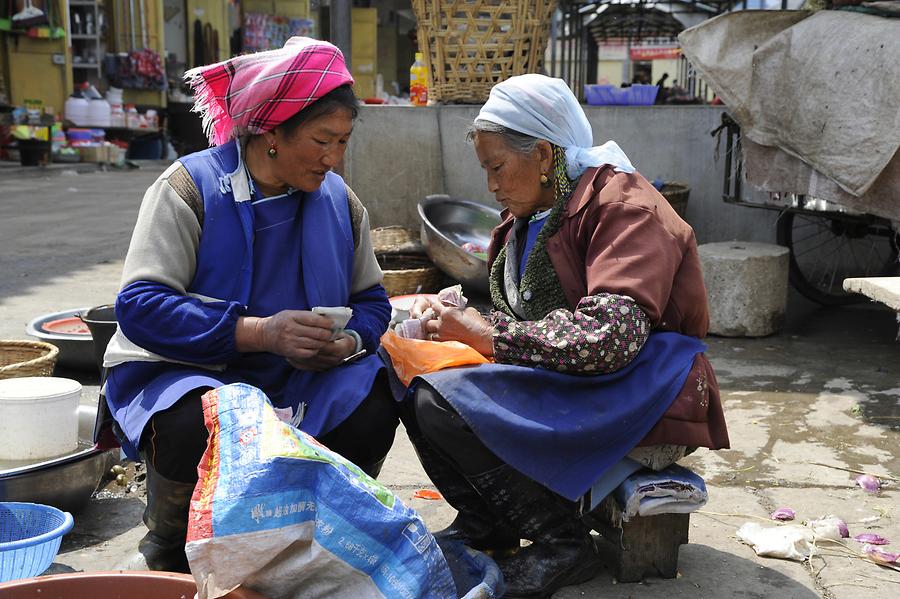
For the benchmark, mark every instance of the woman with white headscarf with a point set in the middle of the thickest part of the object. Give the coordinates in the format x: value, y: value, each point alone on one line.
x: 599, y: 305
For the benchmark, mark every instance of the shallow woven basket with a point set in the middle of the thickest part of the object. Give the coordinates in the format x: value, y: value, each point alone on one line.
x: 396, y: 240
x: 474, y: 44
x: 405, y: 274
x: 677, y: 195
x: 26, y: 358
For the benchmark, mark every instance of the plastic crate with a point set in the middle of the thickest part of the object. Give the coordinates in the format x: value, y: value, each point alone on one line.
x: 30, y: 534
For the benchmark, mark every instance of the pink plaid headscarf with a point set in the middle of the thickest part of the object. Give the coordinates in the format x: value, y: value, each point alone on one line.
x: 257, y: 92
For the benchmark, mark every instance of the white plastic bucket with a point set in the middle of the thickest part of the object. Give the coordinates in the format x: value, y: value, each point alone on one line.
x: 38, y: 417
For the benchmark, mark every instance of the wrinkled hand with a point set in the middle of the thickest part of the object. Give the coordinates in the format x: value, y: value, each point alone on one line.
x: 293, y: 334
x: 329, y: 355
x: 421, y: 305
x: 466, y: 326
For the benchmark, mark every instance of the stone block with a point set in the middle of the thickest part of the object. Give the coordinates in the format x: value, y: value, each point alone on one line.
x: 746, y: 283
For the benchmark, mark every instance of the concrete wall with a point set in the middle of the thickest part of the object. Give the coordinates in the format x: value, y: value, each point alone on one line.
x: 398, y: 155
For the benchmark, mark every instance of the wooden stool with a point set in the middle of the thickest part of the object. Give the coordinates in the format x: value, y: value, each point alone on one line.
x: 641, y: 547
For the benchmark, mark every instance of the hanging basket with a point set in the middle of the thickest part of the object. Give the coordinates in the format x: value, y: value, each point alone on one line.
x: 471, y: 45
x: 26, y: 358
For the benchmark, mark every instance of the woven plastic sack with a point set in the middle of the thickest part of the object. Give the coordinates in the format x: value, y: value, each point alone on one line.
x: 277, y: 512
x: 412, y: 357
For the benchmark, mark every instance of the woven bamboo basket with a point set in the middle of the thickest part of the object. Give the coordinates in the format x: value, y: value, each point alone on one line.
x: 677, y: 195
x: 408, y: 273
x: 396, y: 240
x: 474, y: 44
x: 26, y: 358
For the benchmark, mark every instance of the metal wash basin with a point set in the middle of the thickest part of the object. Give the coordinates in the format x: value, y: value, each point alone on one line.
x: 75, y: 351
x: 446, y: 225
x: 65, y: 482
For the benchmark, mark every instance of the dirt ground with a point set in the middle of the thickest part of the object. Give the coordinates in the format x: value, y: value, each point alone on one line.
x: 826, y: 389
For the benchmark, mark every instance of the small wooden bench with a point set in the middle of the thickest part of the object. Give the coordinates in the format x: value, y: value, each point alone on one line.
x: 641, y: 547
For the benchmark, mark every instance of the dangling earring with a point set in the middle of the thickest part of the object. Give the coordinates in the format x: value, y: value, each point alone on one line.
x: 272, y: 151
x: 545, y: 182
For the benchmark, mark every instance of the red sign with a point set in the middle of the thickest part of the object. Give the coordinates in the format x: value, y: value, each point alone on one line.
x: 655, y: 53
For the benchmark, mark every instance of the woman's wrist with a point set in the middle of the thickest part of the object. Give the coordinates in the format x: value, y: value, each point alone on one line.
x: 248, y: 334
x: 356, y: 338
x: 486, y: 347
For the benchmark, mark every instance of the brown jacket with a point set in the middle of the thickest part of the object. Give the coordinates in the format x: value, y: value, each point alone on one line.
x: 619, y: 235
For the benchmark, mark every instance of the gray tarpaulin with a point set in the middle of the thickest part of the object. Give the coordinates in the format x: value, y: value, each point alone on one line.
x: 820, y: 87
x: 773, y: 169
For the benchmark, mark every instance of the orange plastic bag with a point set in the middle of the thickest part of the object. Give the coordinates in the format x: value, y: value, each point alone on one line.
x: 412, y: 357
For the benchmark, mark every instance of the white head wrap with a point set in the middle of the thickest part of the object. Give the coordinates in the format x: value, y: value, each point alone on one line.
x: 545, y: 108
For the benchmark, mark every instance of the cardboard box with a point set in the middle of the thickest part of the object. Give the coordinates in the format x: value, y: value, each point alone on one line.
x: 94, y: 153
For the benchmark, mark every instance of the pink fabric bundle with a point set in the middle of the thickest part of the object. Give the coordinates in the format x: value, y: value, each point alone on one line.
x: 257, y: 92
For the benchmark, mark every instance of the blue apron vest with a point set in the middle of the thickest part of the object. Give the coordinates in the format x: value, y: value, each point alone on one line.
x: 224, y: 272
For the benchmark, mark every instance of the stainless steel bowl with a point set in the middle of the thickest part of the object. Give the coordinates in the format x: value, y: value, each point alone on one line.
x: 446, y: 225
x: 65, y: 482
x: 75, y: 351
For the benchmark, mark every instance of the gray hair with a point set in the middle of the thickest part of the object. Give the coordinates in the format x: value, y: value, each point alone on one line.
x: 515, y: 141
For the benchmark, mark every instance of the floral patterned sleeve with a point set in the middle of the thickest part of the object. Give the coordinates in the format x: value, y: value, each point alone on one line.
x: 604, y: 334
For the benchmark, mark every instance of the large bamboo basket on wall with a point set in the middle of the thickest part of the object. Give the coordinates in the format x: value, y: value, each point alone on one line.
x: 474, y: 44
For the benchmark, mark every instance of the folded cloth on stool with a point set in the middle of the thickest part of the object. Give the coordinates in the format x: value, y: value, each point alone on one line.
x: 674, y: 490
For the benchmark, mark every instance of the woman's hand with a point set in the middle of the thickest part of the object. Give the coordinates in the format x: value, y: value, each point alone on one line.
x: 297, y: 335
x: 330, y: 355
x: 466, y: 326
x: 421, y: 305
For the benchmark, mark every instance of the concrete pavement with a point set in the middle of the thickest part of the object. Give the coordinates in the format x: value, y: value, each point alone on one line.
x: 826, y: 389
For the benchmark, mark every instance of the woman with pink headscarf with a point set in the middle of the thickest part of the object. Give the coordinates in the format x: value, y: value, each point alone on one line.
x: 233, y: 248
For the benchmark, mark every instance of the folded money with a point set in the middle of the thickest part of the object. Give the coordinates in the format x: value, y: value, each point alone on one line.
x: 339, y: 315
x: 453, y: 297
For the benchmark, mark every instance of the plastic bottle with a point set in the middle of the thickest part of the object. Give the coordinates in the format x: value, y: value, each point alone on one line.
x: 90, y: 92
x: 152, y: 119
x: 132, y: 118
x: 116, y: 110
x: 418, y: 82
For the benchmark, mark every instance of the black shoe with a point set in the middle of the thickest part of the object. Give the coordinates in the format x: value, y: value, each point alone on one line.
x: 475, y: 525
x: 562, y: 552
x: 157, y: 553
x: 166, y: 517
x: 480, y: 534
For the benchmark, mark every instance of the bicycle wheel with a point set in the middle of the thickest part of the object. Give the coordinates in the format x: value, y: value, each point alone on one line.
x: 826, y: 249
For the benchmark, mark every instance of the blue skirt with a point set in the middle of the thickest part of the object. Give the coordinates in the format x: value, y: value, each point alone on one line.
x: 565, y: 431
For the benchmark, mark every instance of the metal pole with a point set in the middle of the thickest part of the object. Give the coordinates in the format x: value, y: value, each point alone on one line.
x: 554, y: 40
x: 341, y: 30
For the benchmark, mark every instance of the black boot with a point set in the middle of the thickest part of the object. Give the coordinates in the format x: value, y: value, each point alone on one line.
x: 166, y: 515
x: 474, y: 525
x: 562, y: 552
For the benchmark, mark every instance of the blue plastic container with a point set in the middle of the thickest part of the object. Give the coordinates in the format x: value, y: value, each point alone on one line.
x: 641, y: 94
x: 604, y: 95
x: 30, y: 535
x: 610, y: 95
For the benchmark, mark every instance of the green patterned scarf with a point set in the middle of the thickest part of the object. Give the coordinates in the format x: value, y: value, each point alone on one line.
x: 540, y: 291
